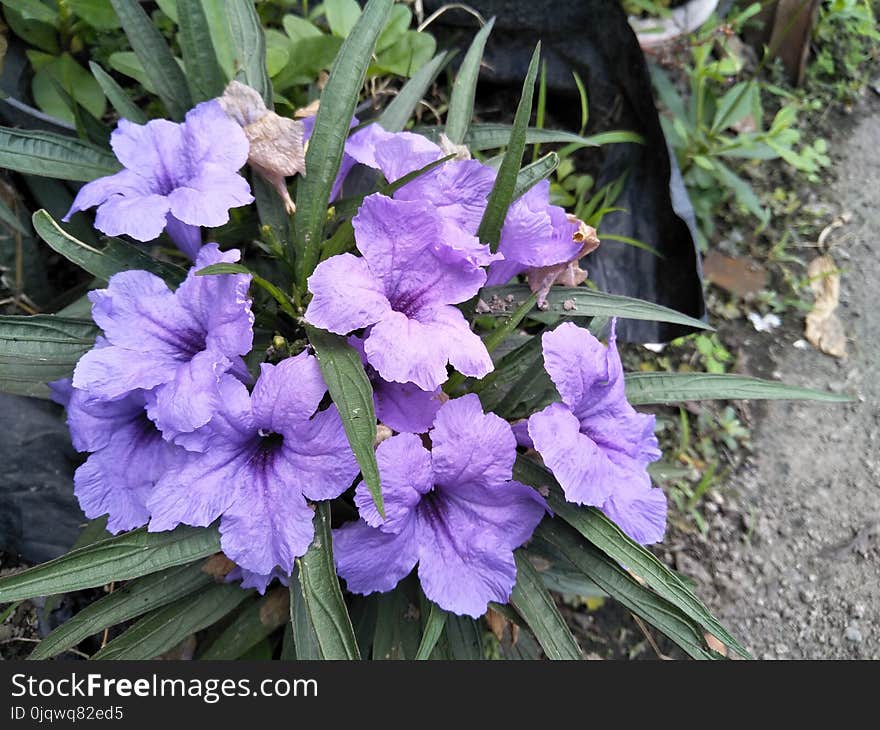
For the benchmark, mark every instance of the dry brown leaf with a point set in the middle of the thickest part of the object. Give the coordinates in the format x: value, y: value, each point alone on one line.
x: 276, y: 608
x: 218, y: 566
x: 715, y: 644
x: 567, y: 273
x: 498, y: 625
x: 824, y: 330
x: 741, y: 276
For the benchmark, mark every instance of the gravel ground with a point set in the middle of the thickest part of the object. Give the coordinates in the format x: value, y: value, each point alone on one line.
x: 792, y: 561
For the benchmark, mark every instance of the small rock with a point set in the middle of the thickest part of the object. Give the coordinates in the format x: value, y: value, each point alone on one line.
x: 853, y: 634
x: 857, y: 610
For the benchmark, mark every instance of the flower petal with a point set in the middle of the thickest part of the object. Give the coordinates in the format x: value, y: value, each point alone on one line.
x: 394, y: 153
x: 405, y: 472
x: 347, y: 296
x: 404, y: 350
x: 370, y: 560
x: 212, y: 138
x: 639, y: 511
x: 405, y: 407
x: 464, y: 349
x: 583, y: 470
x: 140, y: 216
x: 125, y: 182
x: 471, y: 447
x: 205, y: 198
x: 112, y: 372
x: 152, y: 150
x: 277, y: 405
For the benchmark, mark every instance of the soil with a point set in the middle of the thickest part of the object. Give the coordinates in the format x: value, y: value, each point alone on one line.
x: 792, y: 558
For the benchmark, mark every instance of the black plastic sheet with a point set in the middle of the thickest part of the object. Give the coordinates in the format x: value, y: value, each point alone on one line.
x: 593, y: 38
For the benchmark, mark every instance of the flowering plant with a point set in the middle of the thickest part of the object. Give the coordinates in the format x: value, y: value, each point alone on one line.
x: 360, y: 388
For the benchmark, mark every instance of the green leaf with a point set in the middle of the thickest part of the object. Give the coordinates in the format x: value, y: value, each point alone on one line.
x: 464, y: 89
x: 120, y: 100
x: 609, y: 538
x: 126, y: 556
x: 324, y: 155
x: 97, y: 13
x: 34, y: 10
x: 408, y: 54
x: 128, y: 64
x: 533, y: 173
x: 735, y: 105
x: 323, y: 597
x: 298, y: 28
x: 203, y: 72
x: 397, y: 25
x: 397, y: 626
x: 53, y: 155
x: 116, y: 256
x: 72, y: 78
x: 131, y: 600
x: 307, y: 58
x: 514, y: 376
x: 302, y: 636
x: 505, y: 181
x: 620, y: 585
x: 583, y: 302
x: 159, y: 65
x: 465, y: 637
x: 493, y: 136
x: 36, y: 350
x: 255, y: 622
x: 667, y: 93
x: 342, y: 16
x: 642, y: 388
x: 277, y: 51
x: 402, y: 106
x: 249, y: 45
x: 352, y: 393
x: 532, y: 601
x: 168, y: 626
x: 433, y: 630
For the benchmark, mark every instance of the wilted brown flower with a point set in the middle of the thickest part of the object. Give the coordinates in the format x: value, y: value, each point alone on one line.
x: 566, y: 273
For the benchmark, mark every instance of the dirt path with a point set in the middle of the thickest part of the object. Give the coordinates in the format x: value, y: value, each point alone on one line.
x: 794, y: 568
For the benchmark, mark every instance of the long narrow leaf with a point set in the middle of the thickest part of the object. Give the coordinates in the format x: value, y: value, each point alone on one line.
x: 303, y: 639
x: 352, y: 393
x: 505, y: 181
x: 116, y: 256
x: 124, y: 106
x: 206, y: 79
x: 532, y: 601
x: 620, y: 585
x: 464, y: 89
x: 583, y: 302
x: 324, y: 155
x: 492, y: 136
x: 53, y: 155
x: 249, y: 47
x: 323, y: 596
x: 608, y: 537
x: 533, y: 173
x: 401, y: 108
x: 131, y: 600
x: 123, y: 557
x: 168, y: 626
x: 433, y: 630
x: 253, y: 624
x: 465, y: 637
x: 677, y: 387
x: 159, y: 65
x: 39, y: 349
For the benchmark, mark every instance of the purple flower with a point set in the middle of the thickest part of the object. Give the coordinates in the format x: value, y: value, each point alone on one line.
x: 457, y: 190
x: 595, y: 443
x: 261, y: 457
x: 176, y: 175
x: 454, y: 510
x: 414, y: 268
x: 403, y: 407
x: 260, y: 581
x: 128, y: 455
x: 177, y: 344
x: 535, y: 234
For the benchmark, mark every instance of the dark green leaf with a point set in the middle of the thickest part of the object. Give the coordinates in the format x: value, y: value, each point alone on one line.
x: 302, y: 636
x: 402, y: 106
x: 159, y: 65
x: 168, y: 626
x: 121, y: 102
x: 206, y: 79
x: 533, y: 173
x: 492, y: 136
x: 352, y: 393
x: 532, y: 601
x: 131, y: 600
x: 584, y: 302
x: 255, y: 622
x: 53, y: 155
x: 464, y: 89
x: 432, y: 632
x: 609, y: 538
x: 621, y: 586
x: 270, y: 209
x: 123, y: 557
x: 677, y: 387
x: 505, y: 181
x: 116, y: 256
x: 324, y: 155
x: 465, y: 637
x: 323, y: 597
x: 397, y: 625
x: 39, y: 349
x: 97, y: 13
x: 410, y: 53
